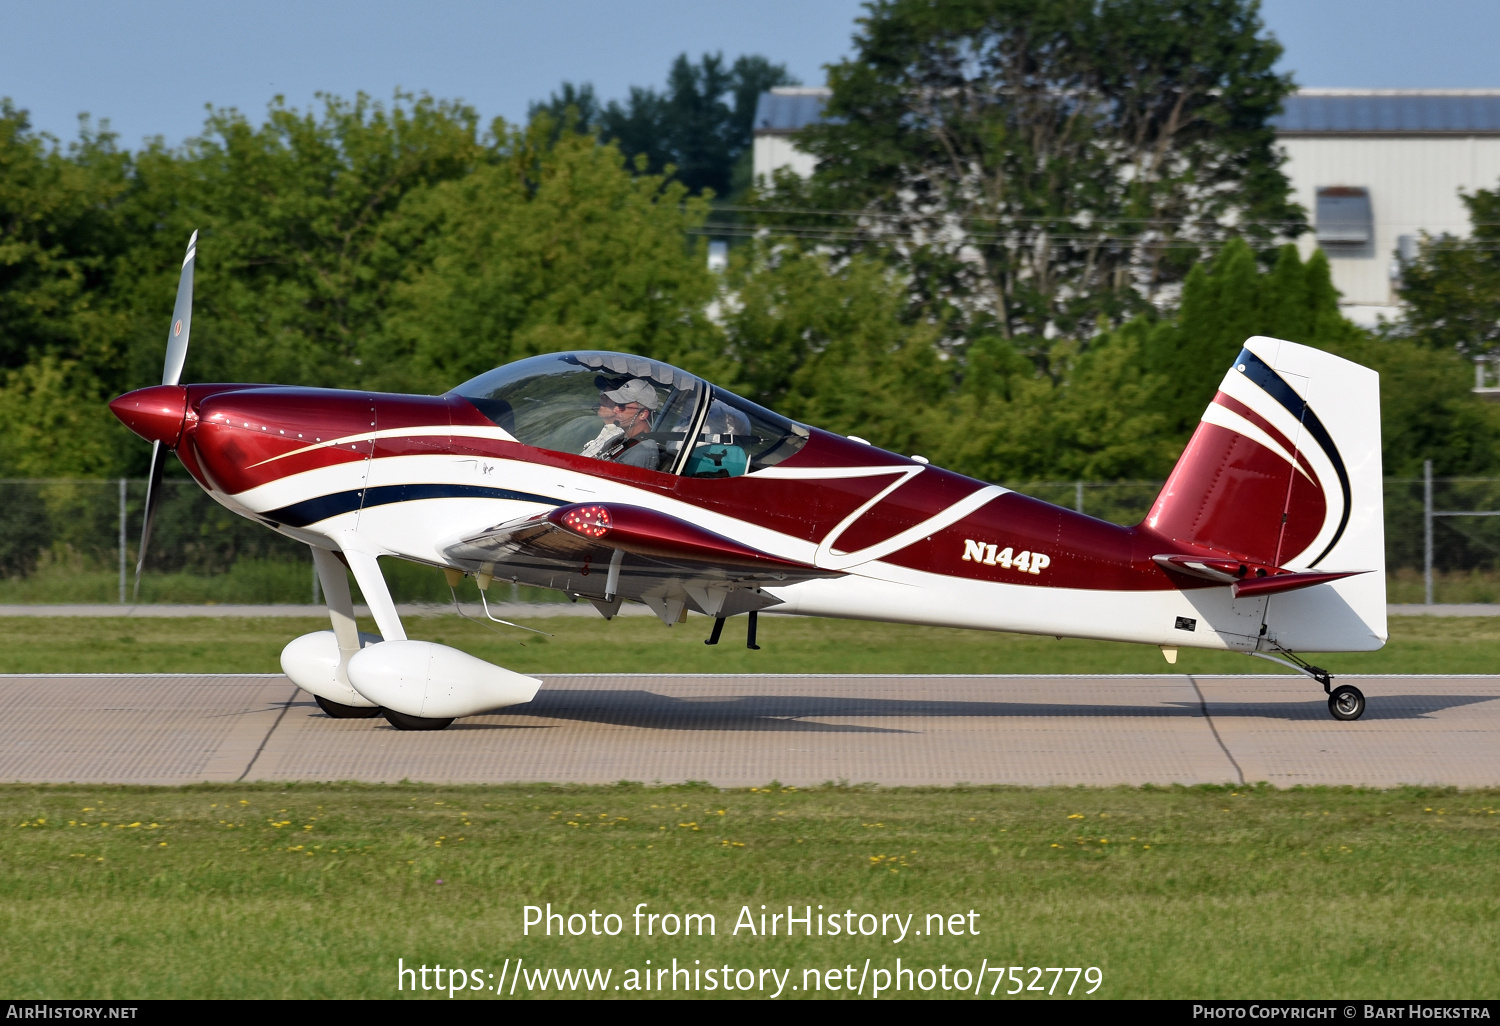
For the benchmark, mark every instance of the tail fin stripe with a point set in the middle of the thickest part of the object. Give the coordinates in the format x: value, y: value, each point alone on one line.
x: 1233, y: 420
x: 1288, y: 451
x: 1258, y: 371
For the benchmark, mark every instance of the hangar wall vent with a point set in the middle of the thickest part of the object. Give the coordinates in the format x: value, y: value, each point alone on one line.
x: 1344, y: 216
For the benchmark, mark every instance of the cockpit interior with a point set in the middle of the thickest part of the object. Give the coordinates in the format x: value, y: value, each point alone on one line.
x: 634, y: 411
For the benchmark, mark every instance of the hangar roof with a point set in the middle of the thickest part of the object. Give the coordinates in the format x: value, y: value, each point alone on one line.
x: 1390, y: 112
x: 1307, y: 112
x: 783, y: 110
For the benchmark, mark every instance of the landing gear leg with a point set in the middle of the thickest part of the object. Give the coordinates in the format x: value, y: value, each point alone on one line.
x: 1345, y: 702
x: 334, y: 582
x: 713, y: 637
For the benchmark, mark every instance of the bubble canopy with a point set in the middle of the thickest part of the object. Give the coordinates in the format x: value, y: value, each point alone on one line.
x: 634, y: 411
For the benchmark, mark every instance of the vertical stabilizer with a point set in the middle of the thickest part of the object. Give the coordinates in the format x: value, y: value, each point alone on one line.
x: 1284, y: 469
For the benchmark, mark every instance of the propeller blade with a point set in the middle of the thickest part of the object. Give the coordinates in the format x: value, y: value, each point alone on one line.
x: 182, y: 318
x: 153, y: 498
x: 177, y: 346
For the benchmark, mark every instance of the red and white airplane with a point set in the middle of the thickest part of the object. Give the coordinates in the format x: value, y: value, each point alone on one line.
x: 612, y: 477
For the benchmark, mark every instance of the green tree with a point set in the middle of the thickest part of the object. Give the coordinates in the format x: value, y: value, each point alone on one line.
x: 300, y: 244
x: 1224, y: 303
x: 1426, y: 409
x: 1452, y: 290
x: 1038, y: 164
x: 62, y: 234
x: 701, y: 124
x: 573, y: 107
x: 54, y: 421
x: 60, y: 228
x: 546, y: 246
x: 395, y: 246
x: 826, y: 342
x: 1451, y: 294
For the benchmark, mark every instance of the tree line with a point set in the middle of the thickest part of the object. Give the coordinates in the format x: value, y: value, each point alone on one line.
x: 1038, y: 233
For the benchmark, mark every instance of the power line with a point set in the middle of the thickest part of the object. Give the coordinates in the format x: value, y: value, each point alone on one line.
x: 1005, y: 219
x: 816, y: 234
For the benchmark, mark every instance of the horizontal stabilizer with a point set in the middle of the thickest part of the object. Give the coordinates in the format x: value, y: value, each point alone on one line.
x: 1247, y: 578
x: 1288, y: 582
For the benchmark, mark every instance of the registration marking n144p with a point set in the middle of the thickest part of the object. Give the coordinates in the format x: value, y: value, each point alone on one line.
x: 1026, y: 562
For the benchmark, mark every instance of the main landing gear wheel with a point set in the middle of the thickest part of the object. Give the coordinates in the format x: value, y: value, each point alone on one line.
x: 401, y: 721
x: 347, y: 712
x: 1346, y: 702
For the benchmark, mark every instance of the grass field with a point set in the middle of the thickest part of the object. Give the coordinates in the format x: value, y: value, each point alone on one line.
x: 316, y: 891
x: 642, y: 644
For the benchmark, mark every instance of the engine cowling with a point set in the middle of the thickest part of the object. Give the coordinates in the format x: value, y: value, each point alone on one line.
x: 312, y: 663
x: 432, y: 681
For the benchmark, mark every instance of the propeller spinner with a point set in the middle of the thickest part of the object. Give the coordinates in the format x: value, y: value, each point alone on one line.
x: 157, y: 414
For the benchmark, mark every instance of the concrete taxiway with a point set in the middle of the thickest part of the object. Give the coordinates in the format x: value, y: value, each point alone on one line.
x: 746, y: 730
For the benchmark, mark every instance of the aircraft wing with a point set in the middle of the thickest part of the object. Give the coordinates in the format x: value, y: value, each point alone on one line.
x: 608, y: 550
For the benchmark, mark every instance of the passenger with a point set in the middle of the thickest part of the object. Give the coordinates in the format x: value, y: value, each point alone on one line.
x: 626, y: 412
x: 725, y: 424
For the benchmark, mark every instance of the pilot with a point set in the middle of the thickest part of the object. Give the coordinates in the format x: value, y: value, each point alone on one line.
x: 626, y: 412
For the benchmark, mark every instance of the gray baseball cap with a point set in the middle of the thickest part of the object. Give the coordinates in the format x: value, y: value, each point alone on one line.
x: 635, y: 391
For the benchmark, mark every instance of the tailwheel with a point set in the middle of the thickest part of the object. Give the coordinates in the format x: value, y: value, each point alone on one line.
x: 401, y: 721
x: 1346, y: 702
x: 347, y: 712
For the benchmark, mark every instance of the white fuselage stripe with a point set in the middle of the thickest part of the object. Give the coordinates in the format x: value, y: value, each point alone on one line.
x: 427, y: 431
x: 1224, y: 417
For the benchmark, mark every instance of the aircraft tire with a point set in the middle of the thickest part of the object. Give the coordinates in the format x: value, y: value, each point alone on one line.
x: 401, y: 721
x: 347, y: 712
x: 1346, y: 702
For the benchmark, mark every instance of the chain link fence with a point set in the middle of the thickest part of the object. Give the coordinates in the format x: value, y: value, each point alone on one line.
x: 75, y: 542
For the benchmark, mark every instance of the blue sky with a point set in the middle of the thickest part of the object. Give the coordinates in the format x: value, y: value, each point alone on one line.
x: 152, y: 65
